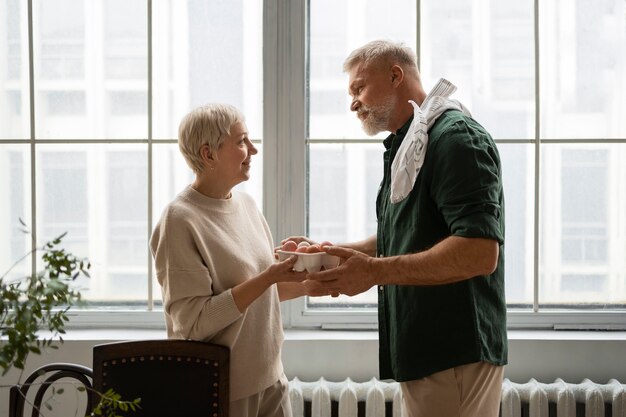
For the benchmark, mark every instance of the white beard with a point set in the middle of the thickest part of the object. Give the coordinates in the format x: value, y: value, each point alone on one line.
x: 378, y: 116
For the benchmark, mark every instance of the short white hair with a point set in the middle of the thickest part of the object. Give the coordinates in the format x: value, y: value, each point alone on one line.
x: 205, y: 125
x: 383, y: 51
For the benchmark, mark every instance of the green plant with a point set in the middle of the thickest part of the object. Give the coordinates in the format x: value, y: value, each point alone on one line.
x: 111, y: 401
x: 40, y: 302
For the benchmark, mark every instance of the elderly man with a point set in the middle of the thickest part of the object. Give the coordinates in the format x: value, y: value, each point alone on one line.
x: 437, y: 256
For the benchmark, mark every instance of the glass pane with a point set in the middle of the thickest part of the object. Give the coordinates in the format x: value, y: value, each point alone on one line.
x: 583, y: 69
x: 254, y: 186
x: 583, y: 226
x: 14, y: 99
x: 486, y: 50
x: 98, y: 194
x: 125, y: 47
x: 206, y: 51
x: 91, y: 69
x: 343, y: 183
x: 330, y: 43
x: 518, y: 170
x: 365, y: 300
x: 15, y: 205
x: 170, y: 175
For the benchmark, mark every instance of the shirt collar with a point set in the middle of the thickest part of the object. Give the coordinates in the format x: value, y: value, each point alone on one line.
x: 399, y: 133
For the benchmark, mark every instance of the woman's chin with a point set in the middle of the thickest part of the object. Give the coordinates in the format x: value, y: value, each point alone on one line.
x: 245, y: 176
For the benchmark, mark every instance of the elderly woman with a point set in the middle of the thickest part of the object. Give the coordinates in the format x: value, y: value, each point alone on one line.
x: 213, y: 252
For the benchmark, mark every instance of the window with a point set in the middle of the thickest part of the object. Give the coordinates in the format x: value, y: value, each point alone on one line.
x: 89, y: 118
x: 553, y: 110
x: 98, y: 128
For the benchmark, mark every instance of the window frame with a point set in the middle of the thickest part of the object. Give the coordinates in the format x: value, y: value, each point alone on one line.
x: 285, y: 143
x: 295, y: 312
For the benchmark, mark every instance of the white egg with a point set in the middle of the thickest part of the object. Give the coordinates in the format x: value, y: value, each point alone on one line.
x: 303, y: 244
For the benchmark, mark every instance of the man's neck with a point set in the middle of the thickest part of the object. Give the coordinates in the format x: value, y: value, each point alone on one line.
x: 404, y: 110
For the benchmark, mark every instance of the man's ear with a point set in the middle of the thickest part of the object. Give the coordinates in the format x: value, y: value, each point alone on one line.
x: 397, y: 75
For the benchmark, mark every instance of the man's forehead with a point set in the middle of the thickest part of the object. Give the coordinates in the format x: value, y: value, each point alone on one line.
x: 358, y: 72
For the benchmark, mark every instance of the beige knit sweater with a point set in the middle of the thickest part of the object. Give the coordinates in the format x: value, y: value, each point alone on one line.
x: 203, y: 247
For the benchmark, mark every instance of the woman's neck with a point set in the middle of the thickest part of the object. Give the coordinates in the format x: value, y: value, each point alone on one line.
x: 210, y: 187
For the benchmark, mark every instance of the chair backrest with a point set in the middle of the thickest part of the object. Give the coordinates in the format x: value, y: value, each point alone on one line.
x: 172, y: 377
x: 41, y: 391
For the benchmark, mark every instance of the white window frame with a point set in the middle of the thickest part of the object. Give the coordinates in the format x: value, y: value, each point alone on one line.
x: 285, y: 206
x: 285, y: 178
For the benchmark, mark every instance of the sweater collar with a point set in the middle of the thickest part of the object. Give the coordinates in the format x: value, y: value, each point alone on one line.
x: 201, y: 200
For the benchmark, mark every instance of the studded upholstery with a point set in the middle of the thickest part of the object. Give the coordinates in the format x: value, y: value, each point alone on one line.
x: 172, y: 377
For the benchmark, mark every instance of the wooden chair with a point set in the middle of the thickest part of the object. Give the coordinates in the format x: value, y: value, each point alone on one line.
x: 49, y: 379
x: 172, y: 377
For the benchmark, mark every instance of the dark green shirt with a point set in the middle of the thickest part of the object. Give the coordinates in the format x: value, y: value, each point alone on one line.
x: 458, y: 192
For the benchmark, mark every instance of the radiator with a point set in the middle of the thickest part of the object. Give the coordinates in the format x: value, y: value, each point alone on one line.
x: 597, y: 400
x: 376, y: 398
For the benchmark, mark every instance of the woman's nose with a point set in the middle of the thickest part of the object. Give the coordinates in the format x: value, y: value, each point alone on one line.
x: 252, y: 149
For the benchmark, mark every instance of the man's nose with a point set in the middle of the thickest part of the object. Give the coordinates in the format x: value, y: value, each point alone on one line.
x: 354, y: 106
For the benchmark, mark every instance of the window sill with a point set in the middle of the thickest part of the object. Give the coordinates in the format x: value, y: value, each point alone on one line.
x: 338, y: 354
x: 610, y: 321
x: 318, y: 335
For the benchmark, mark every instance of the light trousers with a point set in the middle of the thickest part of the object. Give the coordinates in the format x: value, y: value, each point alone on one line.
x: 271, y: 402
x: 471, y: 390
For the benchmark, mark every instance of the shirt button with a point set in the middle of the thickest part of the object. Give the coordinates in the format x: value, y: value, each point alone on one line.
x: 380, y: 287
x: 380, y: 255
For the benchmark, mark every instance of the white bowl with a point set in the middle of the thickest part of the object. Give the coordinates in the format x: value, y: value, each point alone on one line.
x: 312, y: 262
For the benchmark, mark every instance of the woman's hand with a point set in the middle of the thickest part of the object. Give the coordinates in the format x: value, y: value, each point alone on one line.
x: 245, y: 293
x: 283, y: 272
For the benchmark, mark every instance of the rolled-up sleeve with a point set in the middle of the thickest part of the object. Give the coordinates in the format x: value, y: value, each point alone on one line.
x: 468, y: 185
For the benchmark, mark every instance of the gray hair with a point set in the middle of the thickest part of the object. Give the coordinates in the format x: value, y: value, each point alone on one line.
x: 383, y: 52
x: 205, y: 125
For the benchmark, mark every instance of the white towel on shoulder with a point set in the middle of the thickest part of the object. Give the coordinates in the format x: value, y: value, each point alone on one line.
x: 410, y: 157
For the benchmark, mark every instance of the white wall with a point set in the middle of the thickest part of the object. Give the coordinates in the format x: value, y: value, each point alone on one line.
x: 336, y: 355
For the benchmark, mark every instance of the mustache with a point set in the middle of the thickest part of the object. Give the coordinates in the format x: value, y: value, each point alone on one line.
x: 363, y: 110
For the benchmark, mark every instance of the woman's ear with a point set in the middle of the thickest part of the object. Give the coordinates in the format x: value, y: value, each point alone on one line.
x: 207, y: 156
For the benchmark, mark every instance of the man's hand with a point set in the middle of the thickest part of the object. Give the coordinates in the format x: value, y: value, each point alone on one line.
x: 353, y: 275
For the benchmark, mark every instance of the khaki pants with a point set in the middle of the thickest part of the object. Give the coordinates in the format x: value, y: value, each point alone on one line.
x: 272, y: 402
x: 471, y: 390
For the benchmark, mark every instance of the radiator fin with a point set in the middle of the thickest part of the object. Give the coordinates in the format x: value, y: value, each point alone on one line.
x: 375, y: 403
x: 348, y: 402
